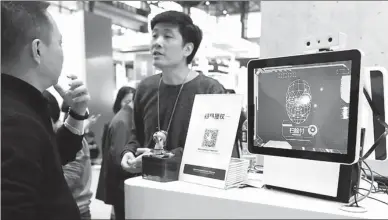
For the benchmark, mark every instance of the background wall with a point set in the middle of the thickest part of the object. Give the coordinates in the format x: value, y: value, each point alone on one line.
x: 286, y: 23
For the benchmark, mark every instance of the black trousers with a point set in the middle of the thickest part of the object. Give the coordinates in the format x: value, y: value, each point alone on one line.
x: 119, y: 210
x: 119, y: 201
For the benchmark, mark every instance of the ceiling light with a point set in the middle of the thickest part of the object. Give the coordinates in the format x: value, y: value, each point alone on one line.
x: 207, y: 3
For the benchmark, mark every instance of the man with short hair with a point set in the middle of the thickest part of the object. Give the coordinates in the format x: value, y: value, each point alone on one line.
x: 163, y: 102
x: 32, y: 155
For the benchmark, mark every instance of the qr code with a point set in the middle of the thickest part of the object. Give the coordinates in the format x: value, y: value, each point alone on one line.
x: 210, y: 138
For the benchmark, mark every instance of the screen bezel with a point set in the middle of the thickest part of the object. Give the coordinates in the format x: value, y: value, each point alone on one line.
x: 319, y: 58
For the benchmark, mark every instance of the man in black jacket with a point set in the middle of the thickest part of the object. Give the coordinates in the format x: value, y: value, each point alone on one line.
x: 32, y: 181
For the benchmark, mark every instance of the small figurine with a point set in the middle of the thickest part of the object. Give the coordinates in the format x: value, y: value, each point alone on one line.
x: 160, y: 141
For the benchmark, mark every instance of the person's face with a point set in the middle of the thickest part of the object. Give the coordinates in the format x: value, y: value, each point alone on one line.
x: 127, y: 99
x: 167, y: 46
x: 50, y: 54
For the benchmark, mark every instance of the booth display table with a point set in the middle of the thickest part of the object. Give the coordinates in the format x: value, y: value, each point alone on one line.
x: 148, y: 199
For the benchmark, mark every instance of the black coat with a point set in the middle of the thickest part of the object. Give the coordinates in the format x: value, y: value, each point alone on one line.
x: 111, y: 181
x: 32, y: 181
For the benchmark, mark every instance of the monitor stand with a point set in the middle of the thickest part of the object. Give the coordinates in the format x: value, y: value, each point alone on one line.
x: 376, y: 81
x: 319, y: 179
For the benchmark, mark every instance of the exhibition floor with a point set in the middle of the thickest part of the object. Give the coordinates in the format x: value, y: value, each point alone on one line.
x: 98, y: 209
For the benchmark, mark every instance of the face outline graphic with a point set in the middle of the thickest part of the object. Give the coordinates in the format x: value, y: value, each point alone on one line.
x: 298, y: 101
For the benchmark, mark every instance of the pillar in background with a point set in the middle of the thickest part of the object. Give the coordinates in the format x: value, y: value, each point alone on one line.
x: 99, y: 69
x: 244, y: 10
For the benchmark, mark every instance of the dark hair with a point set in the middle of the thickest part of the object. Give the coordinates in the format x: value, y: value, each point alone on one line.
x: 21, y: 23
x: 53, y: 105
x: 125, y: 90
x: 190, y: 32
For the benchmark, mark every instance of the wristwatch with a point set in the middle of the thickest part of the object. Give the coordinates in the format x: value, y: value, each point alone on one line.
x: 76, y: 116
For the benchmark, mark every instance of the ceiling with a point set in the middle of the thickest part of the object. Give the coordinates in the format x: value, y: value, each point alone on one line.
x: 220, y: 8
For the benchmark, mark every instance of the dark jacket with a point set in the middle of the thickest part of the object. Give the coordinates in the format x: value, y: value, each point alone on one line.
x: 101, y: 191
x: 111, y: 182
x: 32, y: 181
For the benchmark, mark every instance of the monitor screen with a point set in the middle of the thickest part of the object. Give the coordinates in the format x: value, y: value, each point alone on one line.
x: 303, y: 107
x: 306, y: 106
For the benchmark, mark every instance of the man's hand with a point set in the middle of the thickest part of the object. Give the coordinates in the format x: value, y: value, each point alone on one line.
x: 132, y: 164
x: 77, y: 97
x: 129, y: 163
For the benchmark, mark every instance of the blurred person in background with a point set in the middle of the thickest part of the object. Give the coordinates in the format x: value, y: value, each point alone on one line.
x: 32, y: 182
x: 111, y: 182
x: 78, y: 173
x: 164, y: 101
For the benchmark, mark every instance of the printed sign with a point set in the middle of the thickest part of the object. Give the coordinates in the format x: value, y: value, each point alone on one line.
x: 210, y: 139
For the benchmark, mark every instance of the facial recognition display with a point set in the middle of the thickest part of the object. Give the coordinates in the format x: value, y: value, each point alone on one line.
x: 303, y: 107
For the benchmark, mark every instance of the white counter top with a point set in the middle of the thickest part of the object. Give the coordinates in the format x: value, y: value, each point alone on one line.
x: 148, y: 199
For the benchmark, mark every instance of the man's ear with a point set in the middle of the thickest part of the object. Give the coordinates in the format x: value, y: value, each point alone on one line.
x: 188, y: 49
x: 36, y: 50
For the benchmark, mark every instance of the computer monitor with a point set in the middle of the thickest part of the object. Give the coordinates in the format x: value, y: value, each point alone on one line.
x: 306, y: 106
